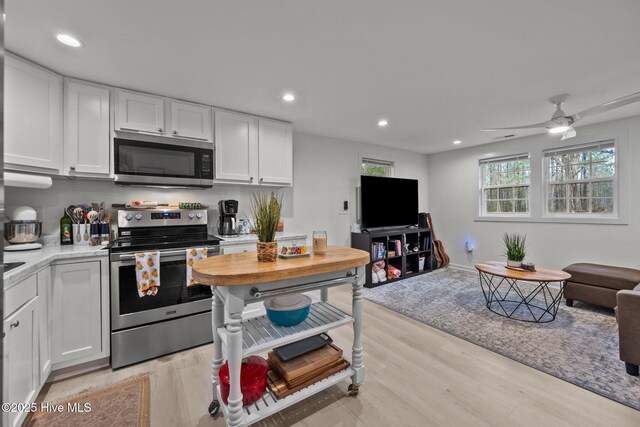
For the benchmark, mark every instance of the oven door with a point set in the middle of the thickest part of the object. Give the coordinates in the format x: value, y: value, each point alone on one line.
x: 189, y: 164
x: 174, y: 298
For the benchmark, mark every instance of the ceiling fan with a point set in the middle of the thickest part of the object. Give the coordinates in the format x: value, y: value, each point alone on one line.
x: 562, y: 123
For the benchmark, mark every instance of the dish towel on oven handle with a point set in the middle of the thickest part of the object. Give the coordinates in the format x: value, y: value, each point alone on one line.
x: 194, y: 254
x: 147, y: 273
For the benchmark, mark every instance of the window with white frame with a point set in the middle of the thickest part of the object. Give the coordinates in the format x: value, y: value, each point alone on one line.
x: 376, y: 167
x: 582, y: 180
x: 504, y: 185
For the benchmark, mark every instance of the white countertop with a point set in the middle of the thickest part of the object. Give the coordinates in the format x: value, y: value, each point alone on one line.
x: 243, y: 239
x: 34, y: 260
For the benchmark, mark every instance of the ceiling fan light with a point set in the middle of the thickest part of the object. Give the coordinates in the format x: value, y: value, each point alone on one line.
x: 559, y: 129
x: 570, y: 133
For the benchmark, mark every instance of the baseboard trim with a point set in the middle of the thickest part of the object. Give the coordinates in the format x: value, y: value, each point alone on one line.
x: 83, y: 368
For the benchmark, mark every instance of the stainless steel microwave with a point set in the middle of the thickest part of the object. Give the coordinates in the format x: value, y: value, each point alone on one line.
x: 160, y: 164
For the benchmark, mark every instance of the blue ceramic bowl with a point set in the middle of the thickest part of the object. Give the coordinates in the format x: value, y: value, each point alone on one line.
x: 288, y: 310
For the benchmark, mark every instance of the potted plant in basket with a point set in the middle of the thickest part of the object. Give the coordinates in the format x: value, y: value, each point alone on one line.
x: 266, y: 211
x: 514, y: 248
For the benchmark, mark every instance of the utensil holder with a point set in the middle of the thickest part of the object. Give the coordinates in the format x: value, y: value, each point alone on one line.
x: 80, y: 228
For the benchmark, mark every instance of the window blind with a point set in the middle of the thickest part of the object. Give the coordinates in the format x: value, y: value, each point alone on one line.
x: 602, y: 145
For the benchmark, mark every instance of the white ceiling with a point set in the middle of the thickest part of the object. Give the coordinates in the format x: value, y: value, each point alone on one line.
x: 437, y: 70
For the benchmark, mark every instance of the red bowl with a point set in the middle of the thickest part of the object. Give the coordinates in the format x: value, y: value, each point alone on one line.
x: 253, y: 379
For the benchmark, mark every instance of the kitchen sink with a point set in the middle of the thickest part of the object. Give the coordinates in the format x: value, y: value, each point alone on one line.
x: 11, y: 265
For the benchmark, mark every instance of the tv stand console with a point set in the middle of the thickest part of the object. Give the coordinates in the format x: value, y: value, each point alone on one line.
x: 390, y: 246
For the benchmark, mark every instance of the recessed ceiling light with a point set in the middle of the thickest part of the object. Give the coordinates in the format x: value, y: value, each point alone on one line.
x: 457, y: 141
x: 288, y: 97
x: 383, y: 123
x: 69, y: 40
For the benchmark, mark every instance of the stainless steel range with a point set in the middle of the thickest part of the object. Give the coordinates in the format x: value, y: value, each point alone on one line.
x: 177, y: 317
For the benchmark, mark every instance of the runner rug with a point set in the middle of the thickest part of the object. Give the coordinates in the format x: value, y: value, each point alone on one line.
x: 123, y: 404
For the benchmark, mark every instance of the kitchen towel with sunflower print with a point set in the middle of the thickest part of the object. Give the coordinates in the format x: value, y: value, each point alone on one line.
x: 194, y: 254
x: 147, y: 273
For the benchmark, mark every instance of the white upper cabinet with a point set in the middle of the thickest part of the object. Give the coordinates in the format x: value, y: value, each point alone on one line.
x: 86, y: 126
x: 139, y: 112
x: 253, y: 151
x: 275, y: 153
x: 236, y: 145
x: 32, y: 117
x: 190, y: 121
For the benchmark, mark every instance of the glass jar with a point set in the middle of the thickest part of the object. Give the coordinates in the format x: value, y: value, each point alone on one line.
x: 319, y: 242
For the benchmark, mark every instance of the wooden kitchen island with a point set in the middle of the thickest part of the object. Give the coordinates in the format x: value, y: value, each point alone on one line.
x: 239, y: 279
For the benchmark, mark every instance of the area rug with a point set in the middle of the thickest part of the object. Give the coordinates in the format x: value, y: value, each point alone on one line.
x: 580, y: 346
x: 123, y: 404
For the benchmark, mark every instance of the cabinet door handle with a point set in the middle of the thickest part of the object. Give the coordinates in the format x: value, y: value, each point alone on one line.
x: 72, y: 168
x: 175, y: 132
x: 251, y: 179
x: 15, y: 324
x: 261, y: 179
x: 160, y: 130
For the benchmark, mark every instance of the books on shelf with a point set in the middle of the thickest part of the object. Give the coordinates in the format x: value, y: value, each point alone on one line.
x: 378, y: 250
x: 397, y: 244
x: 426, y: 243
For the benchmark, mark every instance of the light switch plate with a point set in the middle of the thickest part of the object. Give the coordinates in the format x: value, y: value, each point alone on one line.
x: 341, y: 207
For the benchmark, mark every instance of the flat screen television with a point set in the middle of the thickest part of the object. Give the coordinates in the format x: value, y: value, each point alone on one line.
x: 388, y: 202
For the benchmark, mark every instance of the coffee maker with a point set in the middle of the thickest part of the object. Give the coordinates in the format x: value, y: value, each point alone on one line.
x: 227, y: 224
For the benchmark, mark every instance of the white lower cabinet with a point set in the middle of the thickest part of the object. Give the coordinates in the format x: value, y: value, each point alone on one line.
x: 77, y: 315
x: 54, y: 319
x: 21, y: 367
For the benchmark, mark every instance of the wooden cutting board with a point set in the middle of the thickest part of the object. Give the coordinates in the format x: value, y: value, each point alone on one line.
x: 295, y: 368
x: 279, y: 386
x: 311, y: 375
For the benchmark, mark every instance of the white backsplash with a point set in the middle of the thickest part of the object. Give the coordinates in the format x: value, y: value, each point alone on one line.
x: 50, y: 203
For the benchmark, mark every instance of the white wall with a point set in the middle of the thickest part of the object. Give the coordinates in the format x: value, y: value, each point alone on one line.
x: 326, y: 172
x: 453, y: 189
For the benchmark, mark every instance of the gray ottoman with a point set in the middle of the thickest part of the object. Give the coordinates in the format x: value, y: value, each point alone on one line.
x: 598, y: 284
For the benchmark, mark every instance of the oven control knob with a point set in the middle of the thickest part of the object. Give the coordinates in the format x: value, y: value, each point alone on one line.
x: 138, y: 216
x: 199, y: 215
x: 128, y: 217
x: 191, y: 215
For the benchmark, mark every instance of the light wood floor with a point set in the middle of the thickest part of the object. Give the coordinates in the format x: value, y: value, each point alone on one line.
x: 416, y: 376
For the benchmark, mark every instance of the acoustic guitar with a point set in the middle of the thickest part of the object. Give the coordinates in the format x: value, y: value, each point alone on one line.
x: 442, y: 259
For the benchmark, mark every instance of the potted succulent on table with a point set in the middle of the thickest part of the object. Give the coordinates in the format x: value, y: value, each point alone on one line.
x: 266, y: 211
x: 514, y: 248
